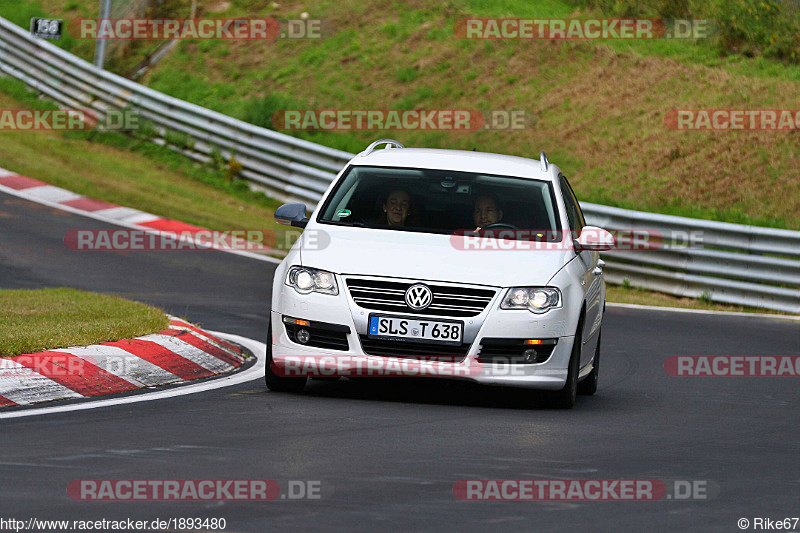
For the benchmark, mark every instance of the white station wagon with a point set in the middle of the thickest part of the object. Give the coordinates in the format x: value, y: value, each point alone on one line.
x: 475, y: 261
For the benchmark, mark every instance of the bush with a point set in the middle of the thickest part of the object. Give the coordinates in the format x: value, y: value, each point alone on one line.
x: 759, y: 27
x: 260, y: 111
x: 749, y: 27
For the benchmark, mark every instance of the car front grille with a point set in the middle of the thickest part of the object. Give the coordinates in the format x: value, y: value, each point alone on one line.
x: 424, y: 351
x: 451, y: 301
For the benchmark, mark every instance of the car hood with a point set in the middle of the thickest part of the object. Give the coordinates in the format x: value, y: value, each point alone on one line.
x: 422, y: 256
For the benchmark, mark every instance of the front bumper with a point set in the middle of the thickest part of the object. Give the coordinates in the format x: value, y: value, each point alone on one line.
x: 493, y: 322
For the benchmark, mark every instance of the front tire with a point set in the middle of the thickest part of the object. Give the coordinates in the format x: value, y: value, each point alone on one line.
x: 278, y: 383
x: 589, y: 384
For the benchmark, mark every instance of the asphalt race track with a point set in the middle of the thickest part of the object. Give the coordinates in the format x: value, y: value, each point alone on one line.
x: 388, y: 453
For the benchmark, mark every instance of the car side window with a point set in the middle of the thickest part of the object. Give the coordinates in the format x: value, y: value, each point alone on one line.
x: 574, y: 213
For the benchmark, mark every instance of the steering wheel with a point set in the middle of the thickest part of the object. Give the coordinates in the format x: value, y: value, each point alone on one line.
x: 499, y: 225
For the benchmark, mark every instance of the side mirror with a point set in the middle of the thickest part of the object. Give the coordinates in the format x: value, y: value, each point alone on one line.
x: 292, y: 215
x: 594, y: 239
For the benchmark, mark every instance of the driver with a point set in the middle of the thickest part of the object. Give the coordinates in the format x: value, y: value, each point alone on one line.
x: 486, y: 211
x: 396, y: 208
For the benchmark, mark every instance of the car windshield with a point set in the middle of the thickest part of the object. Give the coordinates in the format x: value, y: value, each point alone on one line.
x: 443, y: 201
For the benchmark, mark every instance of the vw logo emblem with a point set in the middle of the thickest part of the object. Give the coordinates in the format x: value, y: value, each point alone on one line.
x: 418, y: 297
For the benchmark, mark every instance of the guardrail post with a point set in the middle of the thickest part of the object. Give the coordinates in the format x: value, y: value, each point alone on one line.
x: 100, y: 44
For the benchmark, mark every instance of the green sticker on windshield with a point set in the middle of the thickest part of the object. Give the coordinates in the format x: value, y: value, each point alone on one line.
x: 341, y: 213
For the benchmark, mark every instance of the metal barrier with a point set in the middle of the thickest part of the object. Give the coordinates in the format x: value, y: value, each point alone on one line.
x: 737, y: 264
x: 726, y: 263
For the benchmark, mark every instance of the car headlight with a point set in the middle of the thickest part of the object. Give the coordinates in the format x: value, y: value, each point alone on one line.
x: 534, y: 299
x: 307, y: 280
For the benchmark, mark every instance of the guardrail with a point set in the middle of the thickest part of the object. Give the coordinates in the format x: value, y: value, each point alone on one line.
x: 737, y: 264
x: 729, y: 263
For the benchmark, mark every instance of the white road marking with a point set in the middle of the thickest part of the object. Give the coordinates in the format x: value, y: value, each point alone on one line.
x: 140, y: 218
x: 52, y: 194
x: 127, y: 214
x: 259, y: 350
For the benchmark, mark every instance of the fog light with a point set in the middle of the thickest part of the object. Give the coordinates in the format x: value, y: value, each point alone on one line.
x: 303, y: 336
x: 530, y: 355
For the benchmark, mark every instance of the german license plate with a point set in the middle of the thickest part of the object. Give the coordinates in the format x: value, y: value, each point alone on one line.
x: 412, y: 329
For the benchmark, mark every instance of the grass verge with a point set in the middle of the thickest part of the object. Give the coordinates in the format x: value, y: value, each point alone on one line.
x: 42, y: 319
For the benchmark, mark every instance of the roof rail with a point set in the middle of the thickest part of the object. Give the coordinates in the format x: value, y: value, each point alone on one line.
x: 390, y: 143
x: 544, y: 162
